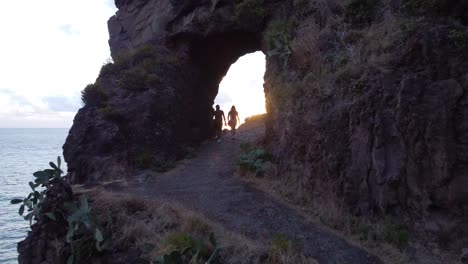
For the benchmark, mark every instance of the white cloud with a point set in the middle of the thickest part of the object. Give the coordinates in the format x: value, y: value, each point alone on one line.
x: 20, y: 111
x: 49, y: 49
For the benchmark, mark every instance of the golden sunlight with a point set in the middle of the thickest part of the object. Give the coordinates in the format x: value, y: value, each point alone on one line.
x: 243, y: 87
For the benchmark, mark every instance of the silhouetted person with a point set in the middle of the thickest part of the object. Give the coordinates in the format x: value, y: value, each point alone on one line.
x: 233, y: 117
x: 219, y: 117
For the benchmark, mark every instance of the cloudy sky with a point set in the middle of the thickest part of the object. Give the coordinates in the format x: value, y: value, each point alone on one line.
x: 51, y: 49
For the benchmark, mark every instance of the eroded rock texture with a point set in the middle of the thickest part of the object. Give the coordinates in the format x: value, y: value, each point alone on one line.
x: 367, y: 101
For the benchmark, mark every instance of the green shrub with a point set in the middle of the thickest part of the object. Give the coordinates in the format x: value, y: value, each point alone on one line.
x: 146, y: 52
x: 301, y: 4
x: 361, y: 11
x: 278, y: 37
x: 419, y: 6
x: 452, y: 8
x: 150, y: 64
x: 152, y: 81
x: 165, y: 166
x: 134, y: 79
x: 111, y: 113
x: 280, y: 244
x: 93, y: 95
x: 34, y: 202
x: 251, y: 10
x: 141, y: 68
x: 125, y: 60
x: 107, y: 69
x: 178, y: 241
x: 186, y: 249
x: 395, y: 234
x: 252, y: 159
x: 459, y: 38
x: 83, y: 234
x: 144, y: 159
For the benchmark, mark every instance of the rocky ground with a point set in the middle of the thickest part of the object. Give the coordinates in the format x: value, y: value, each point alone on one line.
x: 207, y: 183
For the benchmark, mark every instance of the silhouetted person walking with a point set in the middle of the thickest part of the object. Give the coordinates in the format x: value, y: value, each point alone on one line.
x: 219, y: 117
x: 233, y: 117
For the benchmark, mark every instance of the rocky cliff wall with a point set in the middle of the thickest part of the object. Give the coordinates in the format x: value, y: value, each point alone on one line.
x: 366, y: 99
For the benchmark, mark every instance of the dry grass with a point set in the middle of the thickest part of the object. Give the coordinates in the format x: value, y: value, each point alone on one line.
x: 153, y: 228
x: 379, y: 236
x: 306, y: 51
x: 334, y: 60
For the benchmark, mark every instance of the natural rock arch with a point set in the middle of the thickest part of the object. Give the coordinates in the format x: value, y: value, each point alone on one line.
x: 128, y: 123
x: 362, y: 103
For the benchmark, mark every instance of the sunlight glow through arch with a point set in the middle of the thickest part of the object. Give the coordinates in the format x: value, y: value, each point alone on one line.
x: 243, y: 86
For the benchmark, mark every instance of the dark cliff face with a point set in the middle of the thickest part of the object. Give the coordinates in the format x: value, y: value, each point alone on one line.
x: 367, y: 101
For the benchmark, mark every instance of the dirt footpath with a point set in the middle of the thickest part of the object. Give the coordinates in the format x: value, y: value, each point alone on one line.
x: 207, y: 183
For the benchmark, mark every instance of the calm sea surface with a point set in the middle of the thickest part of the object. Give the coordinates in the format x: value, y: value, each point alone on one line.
x: 22, y: 152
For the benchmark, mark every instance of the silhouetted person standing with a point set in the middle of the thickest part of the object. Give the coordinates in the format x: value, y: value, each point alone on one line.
x: 233, y: 117
x: 219, y: 117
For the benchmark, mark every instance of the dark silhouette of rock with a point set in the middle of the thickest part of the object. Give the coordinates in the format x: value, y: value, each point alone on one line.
x: 381, y: 126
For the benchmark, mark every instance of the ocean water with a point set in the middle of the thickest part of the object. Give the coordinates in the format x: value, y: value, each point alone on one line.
x: 22, y: 152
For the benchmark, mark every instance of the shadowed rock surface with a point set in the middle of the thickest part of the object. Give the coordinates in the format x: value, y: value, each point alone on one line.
x: 367, y: 102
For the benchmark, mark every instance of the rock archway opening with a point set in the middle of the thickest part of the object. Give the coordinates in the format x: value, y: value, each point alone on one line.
x: 243, y: 87
x: 211, y: 57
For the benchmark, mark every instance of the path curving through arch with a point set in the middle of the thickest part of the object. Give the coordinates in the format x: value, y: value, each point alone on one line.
x: 207, y: 183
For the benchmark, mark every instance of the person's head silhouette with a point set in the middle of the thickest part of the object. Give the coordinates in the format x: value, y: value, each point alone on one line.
x: 233, y: 108
x: 217, y: 107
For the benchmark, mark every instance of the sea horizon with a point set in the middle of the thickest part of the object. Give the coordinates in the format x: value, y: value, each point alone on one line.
x: 22, y: 152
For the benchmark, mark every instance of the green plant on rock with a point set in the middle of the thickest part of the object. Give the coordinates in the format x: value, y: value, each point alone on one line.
x: 107, y: 69
x: 280, y: 243
x: 178, y: 241
x: 111, y: 113
x: 278, y: 37
x: 419, y: 6
x: 144, y: 159
x: 186, y: 249
x: 253, y: 159
x: 147, y: 53
x: 82, y: 230
x: 93, y: 94
x: 251, y: 10
x: 395, y: 234
x: 152, y: 80
x: 134, y: 79
x: 34, y: 202
x: 301, y: 3
x: 279, y: 246
x: 361, y: 11
x: 459, y: 38
x: 127, y: 60
x: 165, y: 166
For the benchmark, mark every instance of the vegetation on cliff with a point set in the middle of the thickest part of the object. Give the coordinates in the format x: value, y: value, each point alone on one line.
x: 52, y: 204
x: 351, y: 88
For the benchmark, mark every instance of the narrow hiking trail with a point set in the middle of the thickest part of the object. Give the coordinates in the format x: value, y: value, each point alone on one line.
x: 207, y: 183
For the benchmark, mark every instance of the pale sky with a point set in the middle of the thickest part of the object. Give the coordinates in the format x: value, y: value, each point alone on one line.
x: 243, y: 86
x: 51, y: 49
